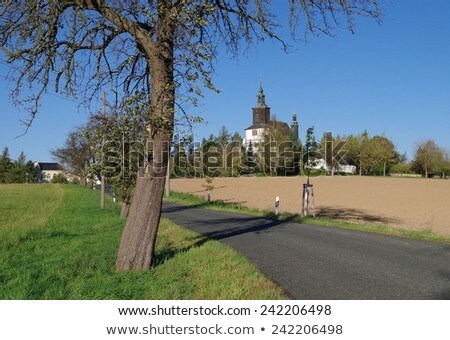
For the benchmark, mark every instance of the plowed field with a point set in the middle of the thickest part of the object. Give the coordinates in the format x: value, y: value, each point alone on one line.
x: 410, y: 203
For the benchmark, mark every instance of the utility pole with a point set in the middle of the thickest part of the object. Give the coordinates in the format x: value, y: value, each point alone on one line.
x: 102, y: 178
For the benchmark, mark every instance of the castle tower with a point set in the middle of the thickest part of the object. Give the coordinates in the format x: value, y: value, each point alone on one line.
x: 294, y: 127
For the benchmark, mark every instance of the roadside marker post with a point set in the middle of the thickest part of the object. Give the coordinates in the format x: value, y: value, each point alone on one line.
x: 277, y: 205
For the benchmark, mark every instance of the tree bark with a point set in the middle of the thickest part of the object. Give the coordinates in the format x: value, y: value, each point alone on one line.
x: 139, y: 236
x: 137, y: 245
x: 125, y: 209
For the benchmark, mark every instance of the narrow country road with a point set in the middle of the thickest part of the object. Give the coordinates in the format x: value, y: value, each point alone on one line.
x: 312, y: 262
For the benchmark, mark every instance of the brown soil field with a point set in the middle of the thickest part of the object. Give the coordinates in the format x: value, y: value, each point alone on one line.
x: 410, y: 203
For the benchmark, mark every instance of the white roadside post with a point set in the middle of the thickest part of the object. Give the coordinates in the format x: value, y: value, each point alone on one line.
x: 277, y: 205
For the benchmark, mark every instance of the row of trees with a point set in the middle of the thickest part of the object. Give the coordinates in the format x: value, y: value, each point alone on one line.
x: 278, y: 154
x: 378, y: 156
x: 371, y: 155
x: 19, y: 170
x: 226, y: 155
x: 108, y: 147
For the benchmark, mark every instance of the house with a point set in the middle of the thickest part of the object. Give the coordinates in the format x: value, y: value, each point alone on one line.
x: 254, y: 134
x: 49, y: 170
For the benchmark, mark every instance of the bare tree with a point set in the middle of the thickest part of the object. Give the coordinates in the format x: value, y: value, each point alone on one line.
x: 163, y: 47
x: 75, y: 155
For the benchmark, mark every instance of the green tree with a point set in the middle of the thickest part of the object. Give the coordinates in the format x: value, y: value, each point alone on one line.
x: 236, y: 137
x: 250, y: 166
x: 371, y: 155
x: 18, y: 171
x: 224, y: 137
x: 234, y: 156
x: 163, y: 47
x: 365, y: 153
x: 5, y: 165
x: 213, y: 159
x: 384, y: 155
x: 123, y: 150
x: 311, y: 155
x: 278, y: 149
x: 182, y: 166
x: 446, y: 167
x: 33, y: 173
x: 428, y: 159
x: 402, y: 168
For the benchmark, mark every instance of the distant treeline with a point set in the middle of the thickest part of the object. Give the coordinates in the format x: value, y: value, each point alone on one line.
x: 279, y: 155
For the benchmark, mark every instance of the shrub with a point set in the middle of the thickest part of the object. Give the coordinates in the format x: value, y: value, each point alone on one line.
x: 59, y: 178
x: 401, y: 168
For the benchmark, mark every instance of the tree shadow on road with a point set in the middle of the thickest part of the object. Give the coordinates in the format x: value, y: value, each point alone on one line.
x: 232, y: 224
x: 243, y: 226
x: 233, y: 207
x: 353, y: 215
x: 224, y: 228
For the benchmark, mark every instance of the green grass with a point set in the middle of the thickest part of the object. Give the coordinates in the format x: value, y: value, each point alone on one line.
x: 425, y: 235
x: 56, y: 243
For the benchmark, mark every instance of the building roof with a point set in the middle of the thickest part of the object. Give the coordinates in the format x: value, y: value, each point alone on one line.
x: 258, y: 125
x: 49, y: 166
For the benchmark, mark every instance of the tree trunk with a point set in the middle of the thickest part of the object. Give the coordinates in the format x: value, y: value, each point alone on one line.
x: 137, y: 245
x: 139, y: 236
x: 125, y: 209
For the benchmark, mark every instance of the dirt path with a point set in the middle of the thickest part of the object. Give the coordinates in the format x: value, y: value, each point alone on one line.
x: 409, y: 203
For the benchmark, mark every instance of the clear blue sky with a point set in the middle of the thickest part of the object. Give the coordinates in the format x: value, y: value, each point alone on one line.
x: 391, y: 79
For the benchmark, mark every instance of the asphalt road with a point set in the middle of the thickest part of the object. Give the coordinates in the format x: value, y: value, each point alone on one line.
x: 312, y: 262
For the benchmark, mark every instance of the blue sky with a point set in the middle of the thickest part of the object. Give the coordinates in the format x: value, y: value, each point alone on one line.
x: 391, y: 79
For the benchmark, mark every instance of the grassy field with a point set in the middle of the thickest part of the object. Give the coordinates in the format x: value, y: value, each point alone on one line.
x: 426, y: 235
x: 56, y: 243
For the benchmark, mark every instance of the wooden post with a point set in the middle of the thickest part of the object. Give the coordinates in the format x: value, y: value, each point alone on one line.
x: 308, y: 203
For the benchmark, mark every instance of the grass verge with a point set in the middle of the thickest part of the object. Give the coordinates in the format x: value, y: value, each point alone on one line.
x: 425, y: 235
x: 56, y: 243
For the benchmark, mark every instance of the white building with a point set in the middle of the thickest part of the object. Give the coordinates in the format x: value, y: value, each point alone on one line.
x: 49, y: 170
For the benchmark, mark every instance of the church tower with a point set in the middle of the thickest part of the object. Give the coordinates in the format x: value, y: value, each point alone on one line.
x: 294, y: 127
x: 254, y: 134
x: 261, y: 112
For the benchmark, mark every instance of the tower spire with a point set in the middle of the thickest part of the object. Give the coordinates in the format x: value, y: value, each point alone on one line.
x: 261, y: 97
